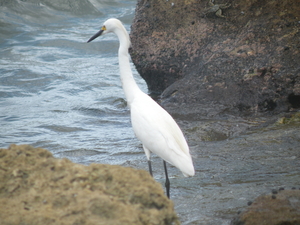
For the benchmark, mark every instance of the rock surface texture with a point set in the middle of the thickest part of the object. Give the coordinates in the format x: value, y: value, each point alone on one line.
x: 36, y: 188
x: 273, y: 209
x: 243, y: 59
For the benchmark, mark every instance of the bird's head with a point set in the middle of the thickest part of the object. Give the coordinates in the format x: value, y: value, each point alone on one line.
x: 110, y: 25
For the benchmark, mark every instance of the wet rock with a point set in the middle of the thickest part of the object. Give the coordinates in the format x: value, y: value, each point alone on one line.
x: 244, y: 63
x: 282, y: 208
x: 36, y: 188
x: 291, y: 119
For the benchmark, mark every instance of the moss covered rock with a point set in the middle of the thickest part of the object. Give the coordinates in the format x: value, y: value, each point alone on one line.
x: 36, y: 188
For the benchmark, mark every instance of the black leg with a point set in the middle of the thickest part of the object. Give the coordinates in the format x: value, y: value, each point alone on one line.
x: 167, y: 180
x: 150, y: 168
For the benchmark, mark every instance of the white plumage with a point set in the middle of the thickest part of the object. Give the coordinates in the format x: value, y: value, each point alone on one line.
x: 160, y: 134
x: 152, y: 125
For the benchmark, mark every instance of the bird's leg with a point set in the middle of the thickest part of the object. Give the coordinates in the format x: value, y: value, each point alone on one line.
x: 167, y: 180
x: 150, y: 168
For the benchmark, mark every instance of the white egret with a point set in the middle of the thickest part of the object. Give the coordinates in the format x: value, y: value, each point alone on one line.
x: 152, y: 125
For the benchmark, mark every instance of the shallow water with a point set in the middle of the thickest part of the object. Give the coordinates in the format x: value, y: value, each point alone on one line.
x: 60, y: 93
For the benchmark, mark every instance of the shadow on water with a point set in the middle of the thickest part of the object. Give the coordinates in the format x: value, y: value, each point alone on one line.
x: 59, y: 93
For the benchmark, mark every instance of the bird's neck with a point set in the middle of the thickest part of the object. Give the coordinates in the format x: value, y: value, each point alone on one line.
x: 128, y: 83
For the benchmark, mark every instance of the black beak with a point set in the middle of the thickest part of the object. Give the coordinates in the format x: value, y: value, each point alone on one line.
x: 96, y: 35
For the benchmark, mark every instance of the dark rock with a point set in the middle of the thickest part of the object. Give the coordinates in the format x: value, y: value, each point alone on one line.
x: 36, y: 188
x: 245, y: 63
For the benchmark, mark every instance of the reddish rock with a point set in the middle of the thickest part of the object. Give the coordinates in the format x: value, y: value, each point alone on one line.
x: 278, y: 208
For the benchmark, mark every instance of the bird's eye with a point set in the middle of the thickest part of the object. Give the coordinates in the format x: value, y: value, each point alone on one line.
x: 103, y: 28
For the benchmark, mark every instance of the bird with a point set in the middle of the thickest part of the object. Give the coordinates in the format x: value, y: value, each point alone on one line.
x: 153, y: 126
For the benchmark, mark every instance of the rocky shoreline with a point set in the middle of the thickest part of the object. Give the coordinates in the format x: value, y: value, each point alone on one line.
x: 36, y: 188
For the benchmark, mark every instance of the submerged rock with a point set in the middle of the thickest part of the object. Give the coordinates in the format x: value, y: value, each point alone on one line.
x: 36, y: 188
x: 281, y: 207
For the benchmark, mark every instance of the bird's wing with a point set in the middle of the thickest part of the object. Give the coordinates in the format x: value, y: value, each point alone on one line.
x: 156, y: 129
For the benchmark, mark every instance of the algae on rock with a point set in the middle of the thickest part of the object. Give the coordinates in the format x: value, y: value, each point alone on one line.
x: 36, y: 188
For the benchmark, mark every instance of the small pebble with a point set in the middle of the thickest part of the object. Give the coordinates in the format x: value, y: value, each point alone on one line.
x: 274, y: 191
x: 293, y: 188
x: 281, y: 189
x: 249, y: 203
